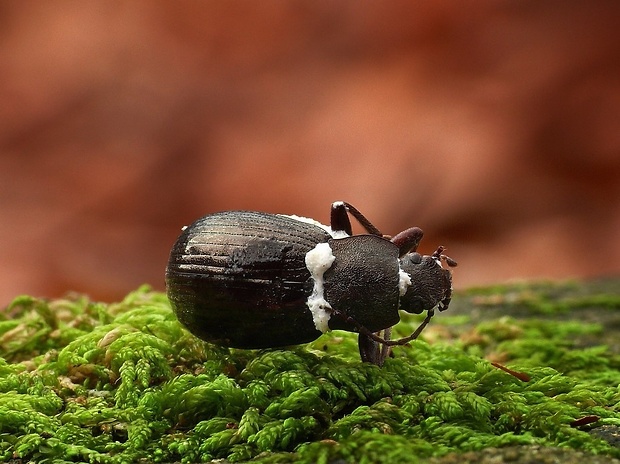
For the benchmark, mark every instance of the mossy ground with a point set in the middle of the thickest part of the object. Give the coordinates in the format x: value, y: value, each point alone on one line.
x: 82, y: 381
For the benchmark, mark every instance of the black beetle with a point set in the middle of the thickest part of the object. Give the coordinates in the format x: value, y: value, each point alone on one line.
x: 255, y: 280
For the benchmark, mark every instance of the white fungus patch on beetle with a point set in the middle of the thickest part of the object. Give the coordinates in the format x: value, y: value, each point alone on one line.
x: 333, y: 233
x: 404, y: 280
x: 319, y: 260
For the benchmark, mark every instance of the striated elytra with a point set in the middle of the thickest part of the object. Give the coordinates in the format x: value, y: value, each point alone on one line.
x: 247, y: 279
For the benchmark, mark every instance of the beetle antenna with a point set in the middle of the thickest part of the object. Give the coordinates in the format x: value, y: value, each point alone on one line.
x: 437, y: 254
x: 449, y: 261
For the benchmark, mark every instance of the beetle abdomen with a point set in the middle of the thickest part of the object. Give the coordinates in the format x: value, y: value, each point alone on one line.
x: 239, y: 279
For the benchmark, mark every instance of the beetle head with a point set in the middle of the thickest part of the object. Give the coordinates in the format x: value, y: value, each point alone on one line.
x: 431, y: 283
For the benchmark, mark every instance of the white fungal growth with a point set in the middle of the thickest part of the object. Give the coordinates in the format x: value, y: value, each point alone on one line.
x: 307, y: 221
x: 333, y: 233
x: 338, y: 233
x: 404, y: 280
x: 319, y: 260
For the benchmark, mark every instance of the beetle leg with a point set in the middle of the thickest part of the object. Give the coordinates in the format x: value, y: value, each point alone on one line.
x: 366, y: 224
x: 373, y: 336
x: 407, y: 240
x: 417, y: 332
x: 386, y: 350
x: 340, y: 219
x: 372, y: 351
x: 369, y: 349
x: 361, y: 329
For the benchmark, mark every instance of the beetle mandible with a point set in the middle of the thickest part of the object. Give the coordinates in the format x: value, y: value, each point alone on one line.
x: 247, y: 279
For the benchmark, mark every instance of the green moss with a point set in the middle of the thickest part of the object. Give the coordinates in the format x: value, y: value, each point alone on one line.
x: 548, y: 297
x: 88, y: 382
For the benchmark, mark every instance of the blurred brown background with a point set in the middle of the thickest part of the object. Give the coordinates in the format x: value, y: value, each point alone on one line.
x: 494, y: 126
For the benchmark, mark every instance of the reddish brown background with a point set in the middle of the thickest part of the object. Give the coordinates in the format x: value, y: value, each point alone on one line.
x: 494, y: 126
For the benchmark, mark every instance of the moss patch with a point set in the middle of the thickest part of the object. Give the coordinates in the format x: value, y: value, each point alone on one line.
x: 82, y: 381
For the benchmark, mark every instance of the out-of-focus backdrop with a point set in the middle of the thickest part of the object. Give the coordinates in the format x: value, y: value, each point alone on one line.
x: 494, y: 126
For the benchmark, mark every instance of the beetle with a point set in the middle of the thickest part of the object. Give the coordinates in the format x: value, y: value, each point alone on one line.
x: 247, y: 279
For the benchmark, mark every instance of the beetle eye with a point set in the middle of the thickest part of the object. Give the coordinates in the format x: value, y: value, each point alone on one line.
x: 415, y: 258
